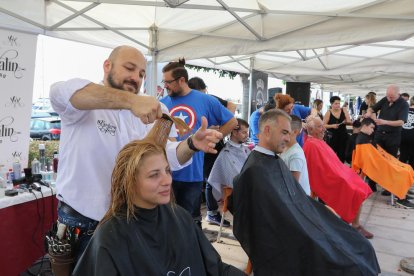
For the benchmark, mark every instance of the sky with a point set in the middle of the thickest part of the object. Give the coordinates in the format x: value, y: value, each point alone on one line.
x: 60, y: 60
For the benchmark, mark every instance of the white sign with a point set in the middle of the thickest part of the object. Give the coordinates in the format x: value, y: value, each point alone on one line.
x: 17, y: 60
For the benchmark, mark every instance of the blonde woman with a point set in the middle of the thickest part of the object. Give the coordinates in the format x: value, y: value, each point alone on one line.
x: 143, y: 233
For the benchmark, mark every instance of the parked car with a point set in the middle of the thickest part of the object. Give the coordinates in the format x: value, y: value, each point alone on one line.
x: 45, y: 128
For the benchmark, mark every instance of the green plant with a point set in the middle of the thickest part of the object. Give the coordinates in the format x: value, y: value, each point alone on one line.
x: 50, y: 148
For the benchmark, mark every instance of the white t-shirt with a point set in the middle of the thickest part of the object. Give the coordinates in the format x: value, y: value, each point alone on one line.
x: 296, y: 162
x: 89, y: 143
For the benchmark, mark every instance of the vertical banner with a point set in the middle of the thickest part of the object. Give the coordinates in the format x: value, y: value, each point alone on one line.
x: 259, y: 90
x: 17, y: 62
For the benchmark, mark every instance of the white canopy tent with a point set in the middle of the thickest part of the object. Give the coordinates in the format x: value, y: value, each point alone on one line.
x: 350, y: 46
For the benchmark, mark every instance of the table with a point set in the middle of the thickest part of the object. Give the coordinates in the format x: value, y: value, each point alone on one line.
x: 24, y: 220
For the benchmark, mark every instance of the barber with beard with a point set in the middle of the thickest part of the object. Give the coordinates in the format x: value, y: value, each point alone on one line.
x: 97, y: 121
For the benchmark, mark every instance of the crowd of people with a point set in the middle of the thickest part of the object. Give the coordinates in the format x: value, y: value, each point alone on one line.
x: 134, y: 203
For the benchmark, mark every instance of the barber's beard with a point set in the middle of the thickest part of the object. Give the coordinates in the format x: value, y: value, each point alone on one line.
x: 120, y: 86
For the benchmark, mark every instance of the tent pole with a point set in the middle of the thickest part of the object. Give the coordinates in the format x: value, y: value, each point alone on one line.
x: 250, y: 87
x: 152, y: 86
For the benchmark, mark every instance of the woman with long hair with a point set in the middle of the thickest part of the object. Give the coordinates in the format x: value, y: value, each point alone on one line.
x: 335, y: 121
x: 143, y: 232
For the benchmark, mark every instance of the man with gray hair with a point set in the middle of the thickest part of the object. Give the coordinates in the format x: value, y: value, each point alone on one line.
x: 394, y: 112
x: 282, y: 230
x: 331, y: 180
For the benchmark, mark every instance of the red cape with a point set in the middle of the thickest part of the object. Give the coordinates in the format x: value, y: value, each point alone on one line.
x: 332, y: 181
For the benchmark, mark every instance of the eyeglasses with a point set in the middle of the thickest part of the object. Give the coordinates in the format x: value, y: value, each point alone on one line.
x: 170, y: 81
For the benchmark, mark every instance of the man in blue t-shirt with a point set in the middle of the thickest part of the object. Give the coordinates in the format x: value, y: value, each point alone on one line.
x: 190, y: 106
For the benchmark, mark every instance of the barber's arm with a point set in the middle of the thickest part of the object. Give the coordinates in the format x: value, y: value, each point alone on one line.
x: 382, y: 122
x: 96, y: 96
x: 203, y: 140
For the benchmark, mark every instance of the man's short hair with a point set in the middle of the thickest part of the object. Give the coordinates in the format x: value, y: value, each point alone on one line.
x: 197, y: 84
x: 241, y: 122
x: 296, y: 123
x: 310, y: 122
x: 356, y: 124
x: 177, y: 68
x: 367, y: 122
x: 272, y: 115
x: 405, y: 95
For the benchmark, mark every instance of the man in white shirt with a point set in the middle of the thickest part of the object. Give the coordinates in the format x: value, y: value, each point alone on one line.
x: 294, y: 157
x: 97, y: 121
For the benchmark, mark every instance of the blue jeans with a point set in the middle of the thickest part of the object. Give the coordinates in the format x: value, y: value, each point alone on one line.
x: 188, y: 196
x: 211, y: 202
x: 86, y: 225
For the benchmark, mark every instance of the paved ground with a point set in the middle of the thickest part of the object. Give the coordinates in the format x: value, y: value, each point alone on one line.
x: 393, y: 228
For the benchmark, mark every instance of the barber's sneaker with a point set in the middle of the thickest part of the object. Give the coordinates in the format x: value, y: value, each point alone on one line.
x: 216, y: 219
x: 405, y: 203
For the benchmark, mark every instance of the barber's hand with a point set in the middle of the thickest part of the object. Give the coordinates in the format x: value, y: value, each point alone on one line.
x: 335, y: 125
x: 206, y: 139
x: 147, y: 108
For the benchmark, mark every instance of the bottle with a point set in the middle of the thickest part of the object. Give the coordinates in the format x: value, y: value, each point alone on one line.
x: 10, y: 178
x: 35, y: 166
x: 55, y: 161
x: 17, y: 169
x: 42, y: 157
x: 47, y: 165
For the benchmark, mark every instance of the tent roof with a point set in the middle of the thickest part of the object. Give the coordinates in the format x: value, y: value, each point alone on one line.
x: 349, y: 46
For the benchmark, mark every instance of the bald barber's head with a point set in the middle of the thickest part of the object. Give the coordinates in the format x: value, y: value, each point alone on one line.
x: 125, y: 69
x: 393, y: 93
x: 315, y: 128
x: 274, y: 130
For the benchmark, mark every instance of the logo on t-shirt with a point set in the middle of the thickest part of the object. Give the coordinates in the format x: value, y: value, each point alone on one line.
x: 185, y: 113
x: 105, y: 127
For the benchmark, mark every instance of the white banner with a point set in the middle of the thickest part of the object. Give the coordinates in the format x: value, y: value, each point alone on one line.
x: 17, y: 60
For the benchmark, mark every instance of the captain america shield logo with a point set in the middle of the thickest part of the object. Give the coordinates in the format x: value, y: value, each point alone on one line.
x: 185, y: 113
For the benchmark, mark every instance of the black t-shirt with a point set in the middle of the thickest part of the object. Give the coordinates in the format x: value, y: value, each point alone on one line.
x: 363, y: 107
x: 363, y: 138
x: 394, y: 112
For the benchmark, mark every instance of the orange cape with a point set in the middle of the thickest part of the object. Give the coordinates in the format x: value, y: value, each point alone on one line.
x: 386, y: 170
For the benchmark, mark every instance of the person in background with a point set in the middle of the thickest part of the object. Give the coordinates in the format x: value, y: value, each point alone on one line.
x: 317, y: 106
x: 190, y: 105
x: 405, y: 96
x: 97, y: 121
x: 230, y: 160
x: 254, y: 120
x: 335, y: 121
x: 407, y: 137
x: 143, y: 232
x: 370, y: 100
x: 294, y: 157
x: 213, y: 216
x: 282, y: 230
x: 350, y: 146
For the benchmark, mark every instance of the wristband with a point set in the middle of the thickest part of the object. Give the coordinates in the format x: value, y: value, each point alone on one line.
x: 190, y: 144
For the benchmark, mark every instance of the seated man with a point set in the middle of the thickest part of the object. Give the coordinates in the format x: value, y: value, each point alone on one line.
x: 383, y: 168
x: 294, y: 156
x: 350, y: 145
x: 331, y: 180
x: 230, y: 160
x: 284, y: 231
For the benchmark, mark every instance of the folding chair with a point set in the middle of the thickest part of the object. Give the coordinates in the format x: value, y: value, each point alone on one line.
x: 226, y: 193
